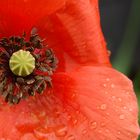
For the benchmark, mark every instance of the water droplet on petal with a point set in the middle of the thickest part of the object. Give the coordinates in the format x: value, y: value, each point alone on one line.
x: 107, y: 114
x: 103, y: 106
x: 41, y: 132
x: 84, y: 131
x: 75, y: 121
x: 73, y: 95
x: 113, y: 97
x: 119, y: 132
x: 78, y: 112
x: 107, y: 130
x: 120, y: 99
x: 122, y: 117
x: 112, y: 85
x: 71, y: 137
x: 104, y: 85
x: 107, y: 79
x: 69, y: 117
x: 103, y: 124
x: 124, y: 107
x: 127, y: 93
x: 93, y: 125
x: 61, y: 131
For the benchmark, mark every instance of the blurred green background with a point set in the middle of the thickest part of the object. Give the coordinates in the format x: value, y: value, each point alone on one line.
x: 120, y: 21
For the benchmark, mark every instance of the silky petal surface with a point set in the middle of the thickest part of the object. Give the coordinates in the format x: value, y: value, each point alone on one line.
x: 107, y: 99
x: 94, y: 103
x: 70, y: 27
x: 17, y: 16
x: 76, y: 29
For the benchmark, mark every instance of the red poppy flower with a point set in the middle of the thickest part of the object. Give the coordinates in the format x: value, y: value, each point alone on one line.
x: 89, y: 99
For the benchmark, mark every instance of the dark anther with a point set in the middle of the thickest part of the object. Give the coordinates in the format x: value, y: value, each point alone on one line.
x: 9, y: 98
x: 31, y: 92
x: 27, y: 44
x: 41, y: 88
x: 15, y: 100
x: 14, y: 88
x: 3, y: 84
x: 20, y: 80
x: 30, y: 81
x: 12, y: 39
x: 18, y: 39
x: 19, y: 95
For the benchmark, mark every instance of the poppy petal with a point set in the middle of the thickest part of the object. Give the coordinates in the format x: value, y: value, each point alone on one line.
x: 76, y: 29
x: 17, y: 16
x: 71, y: 27
x: 94, y: 103
x: 106, y: 98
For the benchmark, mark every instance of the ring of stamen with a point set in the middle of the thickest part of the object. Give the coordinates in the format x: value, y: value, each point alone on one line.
x: 26, y: 67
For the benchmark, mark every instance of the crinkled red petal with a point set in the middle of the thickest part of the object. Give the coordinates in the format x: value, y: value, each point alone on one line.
x: 70, y: 27
x: 107, y: 100
x: 76, y: 30
x: 93, y: 103
x: 17, y: 16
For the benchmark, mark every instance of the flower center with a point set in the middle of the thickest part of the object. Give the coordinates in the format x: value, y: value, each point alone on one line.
x: 26, y: 67
x: 22, y: 63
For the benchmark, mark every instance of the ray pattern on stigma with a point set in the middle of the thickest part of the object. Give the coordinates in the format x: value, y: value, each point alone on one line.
x: 14, y: 87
